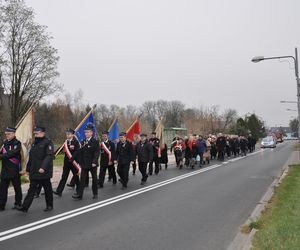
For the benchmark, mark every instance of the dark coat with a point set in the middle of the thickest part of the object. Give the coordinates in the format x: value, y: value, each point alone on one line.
x: 90, y: 151
x: 74, y: 148
x: 221, y: 143
x: 155, y: 144
x: 10, y: 168
x: 164, y: 155
x: 41, y: 156
x: 104, y: 158
x: 144, y: 152
x: 124, y: 153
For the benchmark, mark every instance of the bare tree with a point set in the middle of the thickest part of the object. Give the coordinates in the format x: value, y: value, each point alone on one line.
x: 229, y: 117
x: 29, y: 62
x: 149, y: 110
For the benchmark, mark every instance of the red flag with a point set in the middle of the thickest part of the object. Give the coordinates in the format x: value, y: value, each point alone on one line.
x: 134, y: 129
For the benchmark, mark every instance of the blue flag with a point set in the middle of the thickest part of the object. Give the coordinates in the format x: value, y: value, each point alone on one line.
x: 80, y: 131
x: 114, y: 131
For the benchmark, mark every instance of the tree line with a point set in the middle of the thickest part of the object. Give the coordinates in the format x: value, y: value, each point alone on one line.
x: 69, y: 110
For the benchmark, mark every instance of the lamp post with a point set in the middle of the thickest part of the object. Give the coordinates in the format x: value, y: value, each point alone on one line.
x: 296, y: 66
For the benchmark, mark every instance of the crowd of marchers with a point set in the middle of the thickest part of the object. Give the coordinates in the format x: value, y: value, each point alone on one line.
x: 84, y: 159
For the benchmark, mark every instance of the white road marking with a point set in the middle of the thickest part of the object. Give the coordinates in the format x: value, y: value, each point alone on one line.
x: 14, y: 232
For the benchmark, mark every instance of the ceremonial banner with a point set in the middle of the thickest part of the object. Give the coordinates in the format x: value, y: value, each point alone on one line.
x: 160, y: 134
x: 134, y: 129
x: 89, y: 119
x: 79, y: 131
x: 114, y: 131
x: 24, y: 134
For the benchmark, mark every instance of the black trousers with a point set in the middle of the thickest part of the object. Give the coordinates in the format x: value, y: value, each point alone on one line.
x: 143, y: 170
x: 123, y: 170
x: 73, y: 180
x: 34, y: 184
x: 134, y: 167
x: 111, y: 173
x: 84, y: 175
x: 156, y: 162
x: 4, y: 184
x: 64, y: 177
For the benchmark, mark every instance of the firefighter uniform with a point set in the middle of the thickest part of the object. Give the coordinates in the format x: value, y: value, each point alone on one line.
x: 40, y: 169
x: 10, y: 154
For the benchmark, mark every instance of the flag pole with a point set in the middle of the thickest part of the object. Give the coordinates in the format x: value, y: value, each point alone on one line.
x: 78, y: 126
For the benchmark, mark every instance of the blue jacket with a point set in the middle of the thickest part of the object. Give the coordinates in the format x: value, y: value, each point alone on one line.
x: 202, y: 147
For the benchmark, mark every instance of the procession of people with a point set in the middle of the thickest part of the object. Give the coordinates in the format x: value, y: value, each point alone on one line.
x: 82, y: 159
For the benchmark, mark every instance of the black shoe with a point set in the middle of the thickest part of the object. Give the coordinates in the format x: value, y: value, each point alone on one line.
x: 149, y: 173
x: 36, y: 196
x: 143, y: 183
x: 48, y: 209
x: 16, y: 207
x: 57, y: 193
x: 100, y: 186
x: 77, y: 197
x: 114, y: 183
x: 95, y: 197
x: 2, y: 209
x: 71, y: 186
x: 109, y: 180
x: 124, y: 188
x: 23, y: 209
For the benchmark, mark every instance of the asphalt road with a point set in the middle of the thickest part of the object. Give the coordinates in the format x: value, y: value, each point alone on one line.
x: 178, y: 209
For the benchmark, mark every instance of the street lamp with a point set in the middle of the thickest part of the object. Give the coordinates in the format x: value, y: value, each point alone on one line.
x: 295, y: 59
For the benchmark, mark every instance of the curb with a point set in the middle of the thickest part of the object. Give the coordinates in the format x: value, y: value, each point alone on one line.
x: 243, y: 241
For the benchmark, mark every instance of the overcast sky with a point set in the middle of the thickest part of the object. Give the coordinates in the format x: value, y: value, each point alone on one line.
x: 199, y: 52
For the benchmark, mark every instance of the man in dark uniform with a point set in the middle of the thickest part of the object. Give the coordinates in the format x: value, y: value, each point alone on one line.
x: 124, y: 156
x: 144, y: 152
x: 10, y: 154
x: 107, y: 157
x: 40, y: 169
x: 71, y: 161
x: 89, y: 162
x: 156, y: 151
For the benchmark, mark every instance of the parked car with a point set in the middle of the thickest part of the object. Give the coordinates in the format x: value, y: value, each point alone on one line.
x: 268, y: 142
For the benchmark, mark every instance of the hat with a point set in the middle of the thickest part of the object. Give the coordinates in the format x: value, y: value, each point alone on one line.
x: 153, y: 133
x: 10, y: 130
x: 105, y: 132
x: 39, y: 129
x: 89, y: 127
x: 70, y: 131
x: 143, y: 135
x: 122, y: 134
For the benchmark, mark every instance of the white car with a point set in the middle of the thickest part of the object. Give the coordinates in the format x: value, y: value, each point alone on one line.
x: 268, y: 142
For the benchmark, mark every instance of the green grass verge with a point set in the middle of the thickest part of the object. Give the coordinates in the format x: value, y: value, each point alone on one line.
x: 297, y: 147
x: 279, y: 226
x: 59, y: 160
